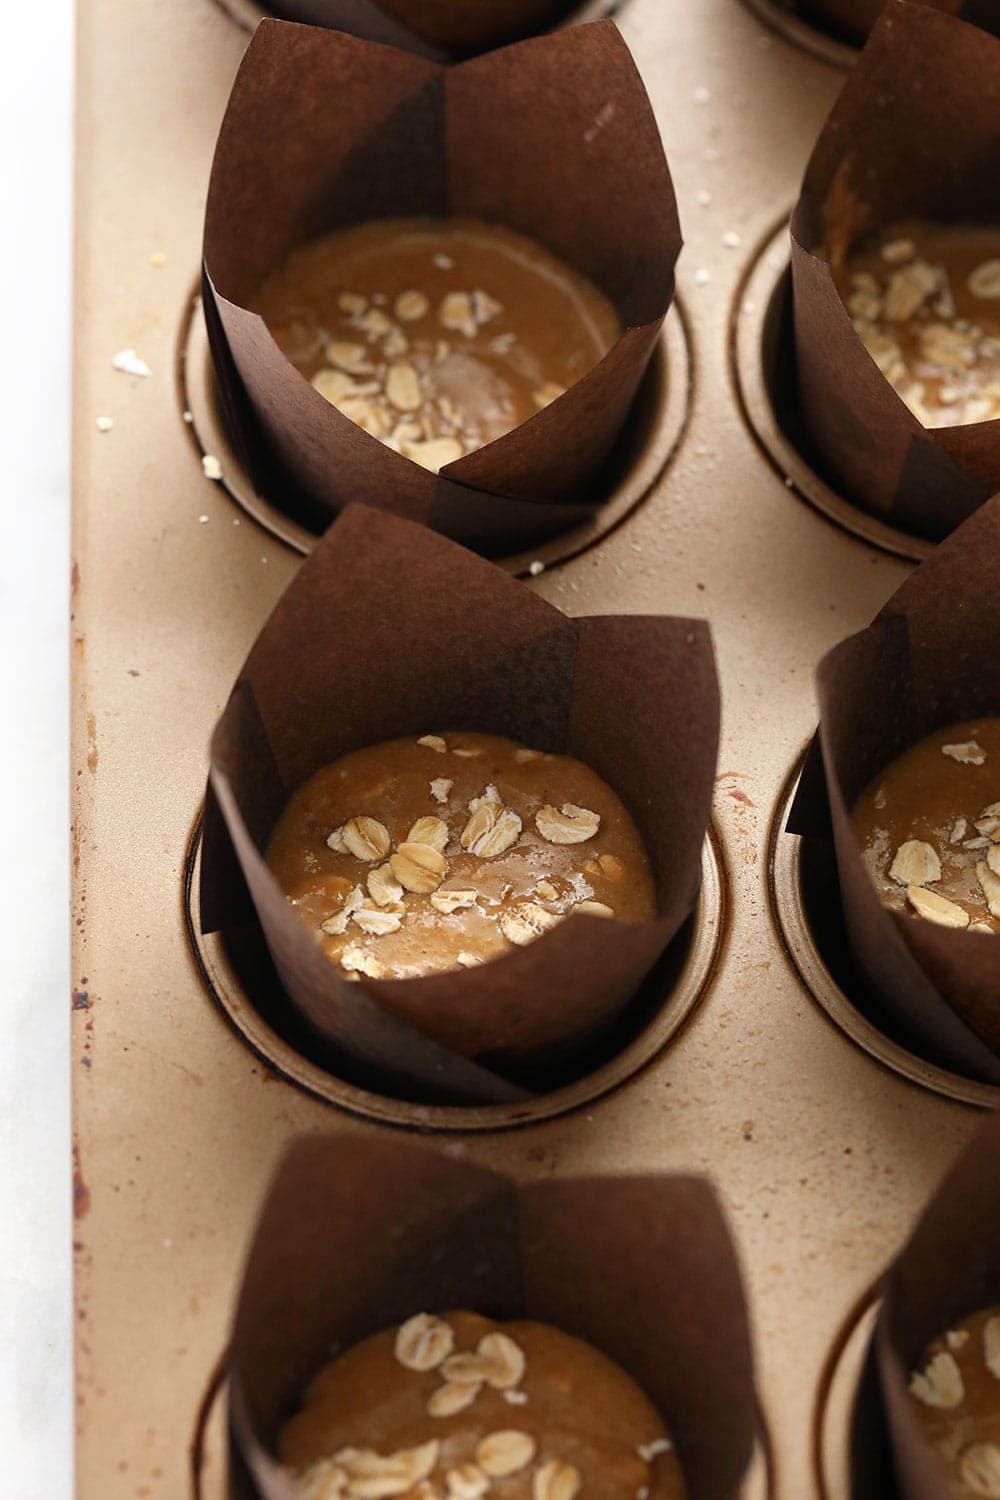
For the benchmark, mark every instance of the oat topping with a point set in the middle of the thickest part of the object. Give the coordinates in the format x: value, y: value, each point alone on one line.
x: 491, y: 831
x: 967, y: 754
x: 567, y: 825
x: 423, y: 1342
x: 940, y: 1383
x: 916, y: 863
x: 979, y: 1469
x: 383, y: 887
x: 452, y: 1397
x: 429, y: 830
x: 556, y: 1480
x: 922, y: 827
x: 925, y: 310
x: 648, y: 1451
x: 338, y: 922
x: 418, y: 867
x: 991, y: 1346
x: 990, y: 883
x: 365, y: 838
x: 423, y: 892
x: 357, y: 961
x: 505, y: 1452
x: 435, y: 355
x: 474, y: 1458
x: 935, y: 908
x: 449, y: 901
x: 522, y: 924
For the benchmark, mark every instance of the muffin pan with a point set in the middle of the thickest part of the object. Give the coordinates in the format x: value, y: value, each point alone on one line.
x: 822, y: 1155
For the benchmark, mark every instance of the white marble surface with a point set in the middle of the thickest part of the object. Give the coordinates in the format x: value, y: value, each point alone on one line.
x: 35, y: 269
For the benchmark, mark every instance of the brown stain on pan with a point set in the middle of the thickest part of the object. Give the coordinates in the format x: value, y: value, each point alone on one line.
x: 81, y: 1192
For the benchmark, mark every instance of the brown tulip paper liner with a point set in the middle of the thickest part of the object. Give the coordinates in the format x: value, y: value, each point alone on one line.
x: 949, y: 1268
x: 431, y: 27
x: 553, y: 137
x: 930, y: 658
x: 854, y: 19
x: 913, y: 133
x: 359, y: 1234
x: 389, y: 631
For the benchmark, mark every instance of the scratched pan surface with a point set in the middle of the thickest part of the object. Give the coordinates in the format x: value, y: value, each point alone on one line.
x: 822, y: 1145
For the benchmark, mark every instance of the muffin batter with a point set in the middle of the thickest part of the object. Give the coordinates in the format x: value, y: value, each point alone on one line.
x: 420, y: 855
x: 929, y: 828
x: 459, y: 1407
x: 436, y: 336
x: 925, y: 300
x: 957, y: 1388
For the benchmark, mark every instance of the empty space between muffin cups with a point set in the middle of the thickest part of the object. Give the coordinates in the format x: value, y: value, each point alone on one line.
x: 433, y: 27
x: 909, y: 149
x: 360, y: 1235
x: 551, y: 141
x: 929, y: 660
x: 948, y: 1271
x: 390, y: 632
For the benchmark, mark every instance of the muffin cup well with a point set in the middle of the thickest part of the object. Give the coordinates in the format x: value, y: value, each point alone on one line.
x: 913, y: 133
x: 930, y: 658
x: 949, y: 1268
x: 358, y: 1234
x: 553, y: 137
x: 416, y: 635
x: 432, y: 27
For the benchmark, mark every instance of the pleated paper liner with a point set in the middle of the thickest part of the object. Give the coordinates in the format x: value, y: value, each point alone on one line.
x: 854, y: 19
x: 434, y: 27
x: 358, y: 1234
x: 417, y: 635
x: 913, y: 133
x: 930, y: 658
x: 949, y: 1268
x: 553, y: 137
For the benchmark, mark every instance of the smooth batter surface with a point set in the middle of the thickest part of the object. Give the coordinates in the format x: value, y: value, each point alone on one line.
x: 929, y: 828
x: 510, y: 840
x: 460, y: 1407
x: 436, y: 336
x: 957, y: 1390
x: 925, y: 299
